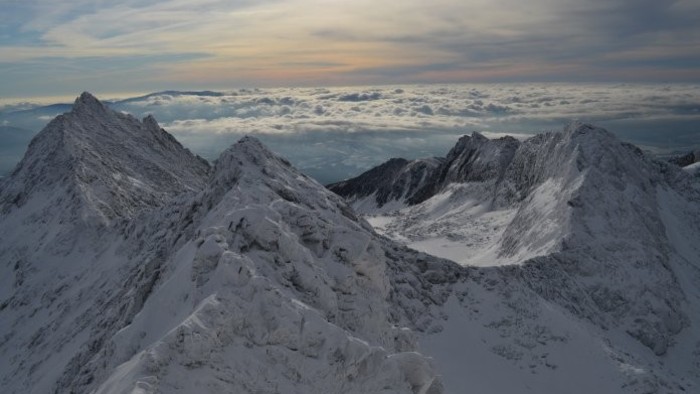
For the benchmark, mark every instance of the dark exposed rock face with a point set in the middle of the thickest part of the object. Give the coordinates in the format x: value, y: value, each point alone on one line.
x: 473, y: 158
x: 397, y: 179
x: 686, y: 159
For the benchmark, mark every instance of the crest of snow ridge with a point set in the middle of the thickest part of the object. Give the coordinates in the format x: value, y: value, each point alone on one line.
x: 100, y: 164
x: 587, y: 222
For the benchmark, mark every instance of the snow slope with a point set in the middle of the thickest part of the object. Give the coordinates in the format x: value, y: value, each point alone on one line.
x: 252, y: 279
x: 281, y: 289
x: 693, y: 169
x: 397, y: 180
x: 88, y: 171
x: 586, y: 222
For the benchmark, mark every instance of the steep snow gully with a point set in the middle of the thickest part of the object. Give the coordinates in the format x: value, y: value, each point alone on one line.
x: 130, y: 265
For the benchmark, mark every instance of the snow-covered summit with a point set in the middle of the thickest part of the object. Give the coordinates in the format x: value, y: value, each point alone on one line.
x: 602, y: 212
x: 592, y: 214
x: 89, y: 104
x: 396, y: 180
x: 109, y: 165
x: 278, y: 272
x: 473, y: 158
x: 523, y: 199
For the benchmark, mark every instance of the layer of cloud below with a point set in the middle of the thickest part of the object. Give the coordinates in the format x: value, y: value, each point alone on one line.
x: 334, y: 133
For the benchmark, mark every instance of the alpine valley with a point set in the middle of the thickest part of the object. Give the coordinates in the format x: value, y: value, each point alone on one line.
x: 564, y: 263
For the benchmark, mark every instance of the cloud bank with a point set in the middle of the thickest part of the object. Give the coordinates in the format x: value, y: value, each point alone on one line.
x: 334, y: 133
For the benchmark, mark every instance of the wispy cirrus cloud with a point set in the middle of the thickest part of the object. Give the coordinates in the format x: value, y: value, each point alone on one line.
x: 214, y: 43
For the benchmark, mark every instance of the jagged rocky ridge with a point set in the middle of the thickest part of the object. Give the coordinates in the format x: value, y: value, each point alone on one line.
x: 111, y: 164
x: 687, y: 159
x: 593, y: 225
x: 690, y: 162
x: 396, y: 180
x: 251, y: 277
x: 474, y: 158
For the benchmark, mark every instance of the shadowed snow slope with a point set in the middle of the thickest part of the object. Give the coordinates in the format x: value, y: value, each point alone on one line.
x: 252, y: 278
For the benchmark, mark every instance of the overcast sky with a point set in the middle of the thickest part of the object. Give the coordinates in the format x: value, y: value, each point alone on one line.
x: 52, y: 48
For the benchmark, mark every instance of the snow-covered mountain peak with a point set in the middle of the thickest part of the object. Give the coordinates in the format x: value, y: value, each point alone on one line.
x: 249, y: 165
x: 279, y: 258
x: 578, y: 130
x: 253, y: 262
x: 87, y: 103
x: 478, y: 158
x: 399, y: 182
x: 252, y: 150
x: 596, y: 145
x: 466, y: 143
x: 150, y: 122
x: 389, y: 185
x: 525, y: 199
x: 107, y: 165
x: 251, y: 158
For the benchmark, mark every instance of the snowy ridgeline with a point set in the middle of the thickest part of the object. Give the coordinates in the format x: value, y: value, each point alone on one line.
x: 589, y: 223
x: 130, y: 265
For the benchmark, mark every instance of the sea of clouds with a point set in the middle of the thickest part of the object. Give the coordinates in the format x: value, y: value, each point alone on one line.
x: 335, y: 133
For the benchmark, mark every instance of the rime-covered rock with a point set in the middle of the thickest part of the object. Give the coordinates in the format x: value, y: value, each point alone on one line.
x: 249, y: 277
